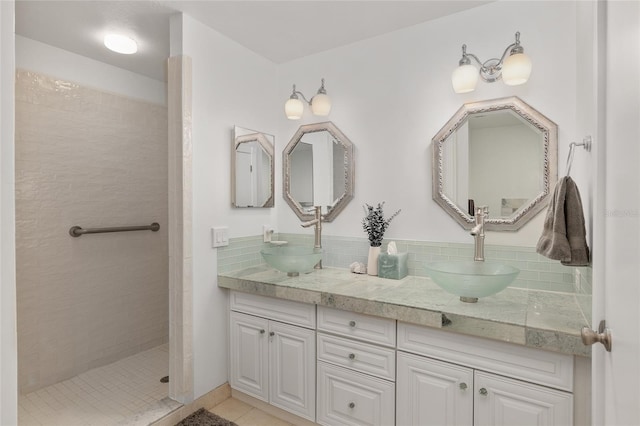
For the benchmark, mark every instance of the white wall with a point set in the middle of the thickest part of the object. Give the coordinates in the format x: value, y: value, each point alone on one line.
x: 231, y: 86
x: 36, y: 56
x: 391, y: 94
x: 8, y: 335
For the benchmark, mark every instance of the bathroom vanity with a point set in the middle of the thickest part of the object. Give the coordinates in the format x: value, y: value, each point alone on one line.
x: 338, y: 348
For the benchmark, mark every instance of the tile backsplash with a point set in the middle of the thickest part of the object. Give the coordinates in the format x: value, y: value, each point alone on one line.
x: 241, y: 253
x: 536, y: 271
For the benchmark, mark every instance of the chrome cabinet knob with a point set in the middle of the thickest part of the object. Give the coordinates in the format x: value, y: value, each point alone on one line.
x: 352, y: 323
x: 352, y: 356
x: 483, y: 391
x: 262, y: 331
x: 463, y: 386
x: 352, y: 405
x: 271, y: 333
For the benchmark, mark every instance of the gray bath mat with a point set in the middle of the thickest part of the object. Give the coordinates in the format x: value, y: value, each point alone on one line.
x: 203, y: 417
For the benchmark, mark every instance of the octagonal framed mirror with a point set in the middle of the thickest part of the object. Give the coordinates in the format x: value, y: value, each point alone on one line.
x: 500, y: 153
x: 318, y: 170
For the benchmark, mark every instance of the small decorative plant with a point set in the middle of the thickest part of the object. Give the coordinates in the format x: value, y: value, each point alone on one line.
x: 374, y: 223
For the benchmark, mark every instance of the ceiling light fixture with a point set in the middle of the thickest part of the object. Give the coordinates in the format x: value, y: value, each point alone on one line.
x: 513, y: 70
x: 120, y: 43
x: 320, y: 104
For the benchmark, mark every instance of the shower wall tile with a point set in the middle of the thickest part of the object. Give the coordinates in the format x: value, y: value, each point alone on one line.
x: 92, y: 159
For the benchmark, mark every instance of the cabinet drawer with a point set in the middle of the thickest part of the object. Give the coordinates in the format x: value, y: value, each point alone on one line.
x: 363, y: 357
x: 360, y: 326
x: 529, y: 364
x: 296, y: 313
x: 349, y: 398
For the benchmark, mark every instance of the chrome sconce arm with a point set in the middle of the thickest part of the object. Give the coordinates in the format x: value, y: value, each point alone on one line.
x: 321, y: 91
x: 320, y: 103
x: 513, y: 67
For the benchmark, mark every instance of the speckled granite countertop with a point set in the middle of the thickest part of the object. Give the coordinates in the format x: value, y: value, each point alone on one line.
x: 536, y: 319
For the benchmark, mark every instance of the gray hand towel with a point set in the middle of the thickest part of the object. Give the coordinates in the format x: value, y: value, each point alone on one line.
x: 564, y: 236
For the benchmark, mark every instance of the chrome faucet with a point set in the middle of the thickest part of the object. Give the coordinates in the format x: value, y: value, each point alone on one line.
x: 318, y: 231
x: 478, y: 233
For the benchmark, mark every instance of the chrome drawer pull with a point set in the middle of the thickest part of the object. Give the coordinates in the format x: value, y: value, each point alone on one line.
x: 352, y: 356
x: 352, y: 323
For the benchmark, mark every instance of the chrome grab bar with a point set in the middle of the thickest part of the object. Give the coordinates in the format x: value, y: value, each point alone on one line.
x: 76, y: 231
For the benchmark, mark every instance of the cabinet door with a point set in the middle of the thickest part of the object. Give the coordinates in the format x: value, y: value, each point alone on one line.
x: 249, y: 355
x: 431, y: 392
x: 292, y: 376
x: 502, y: 401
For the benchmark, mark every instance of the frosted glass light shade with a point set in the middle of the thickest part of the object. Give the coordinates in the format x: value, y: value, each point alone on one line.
x: 120, y: 44
x: 464, y: 78
x: 321, y: 104
x: 516, y: 69
x: 293, y: 108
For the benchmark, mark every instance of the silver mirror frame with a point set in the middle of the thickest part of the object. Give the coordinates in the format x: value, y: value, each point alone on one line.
x: 349, y: 168
x: 269, y: 149
x: 549, y: 131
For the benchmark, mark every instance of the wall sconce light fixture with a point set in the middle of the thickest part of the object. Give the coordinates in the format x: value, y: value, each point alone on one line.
x: 320, y: 104
x: 513, y: 69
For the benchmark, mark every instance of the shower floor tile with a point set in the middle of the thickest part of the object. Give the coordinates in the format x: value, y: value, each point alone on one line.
x: 127, y: 392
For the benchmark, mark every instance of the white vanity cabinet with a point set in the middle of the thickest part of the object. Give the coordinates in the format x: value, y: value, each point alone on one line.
x: 356, y: 368
x: 337, y: 367
x: 271, y: 359
x: 448, y: 379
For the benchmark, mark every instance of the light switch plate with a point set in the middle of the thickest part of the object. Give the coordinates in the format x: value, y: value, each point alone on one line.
x: 220, y: 236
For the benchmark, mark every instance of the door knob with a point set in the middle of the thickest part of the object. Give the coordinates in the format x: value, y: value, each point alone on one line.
x: 603, y: 335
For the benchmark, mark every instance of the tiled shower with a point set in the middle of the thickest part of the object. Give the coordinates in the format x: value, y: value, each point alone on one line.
x: 88, y: 158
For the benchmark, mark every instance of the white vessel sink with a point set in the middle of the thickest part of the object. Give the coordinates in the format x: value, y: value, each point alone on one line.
x: 470, y: 279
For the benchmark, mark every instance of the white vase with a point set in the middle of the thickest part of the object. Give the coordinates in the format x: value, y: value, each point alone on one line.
x: 372, y: 263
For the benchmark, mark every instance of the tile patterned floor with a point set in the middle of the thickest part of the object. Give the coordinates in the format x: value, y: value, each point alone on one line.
x: 127, y: 392
x: 245, y: 415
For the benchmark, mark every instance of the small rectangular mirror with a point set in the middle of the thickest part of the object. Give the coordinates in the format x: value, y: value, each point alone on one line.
x: 252, y: 168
